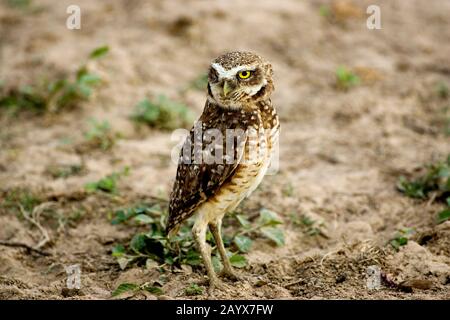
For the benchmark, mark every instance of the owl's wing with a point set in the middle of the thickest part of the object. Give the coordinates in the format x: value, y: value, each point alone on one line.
x: 197, y: 182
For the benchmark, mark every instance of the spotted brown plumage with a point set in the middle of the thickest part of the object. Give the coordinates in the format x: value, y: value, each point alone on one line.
x: 196, y: 183
x: 228, y: 150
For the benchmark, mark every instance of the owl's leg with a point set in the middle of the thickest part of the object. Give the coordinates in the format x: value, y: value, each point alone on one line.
x: 227, y: 271
x: 199, y: 234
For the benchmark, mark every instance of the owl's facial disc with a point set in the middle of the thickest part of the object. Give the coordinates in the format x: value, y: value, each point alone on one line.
x: 232, y: 88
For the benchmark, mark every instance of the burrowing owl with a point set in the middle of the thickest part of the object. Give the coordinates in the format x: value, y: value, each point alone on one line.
x: 218, y: 168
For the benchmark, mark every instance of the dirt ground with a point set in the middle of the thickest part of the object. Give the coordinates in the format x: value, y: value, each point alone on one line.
x: 341, y: 152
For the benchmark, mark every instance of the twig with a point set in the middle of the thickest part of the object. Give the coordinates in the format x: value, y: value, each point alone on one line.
x: 433, y: 197
x: 290, y: 284
x: 23, y: 245
x: 34, y: 219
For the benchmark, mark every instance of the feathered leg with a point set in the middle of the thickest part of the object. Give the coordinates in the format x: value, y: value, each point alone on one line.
x: 199, y: 234
x: 215, y: 228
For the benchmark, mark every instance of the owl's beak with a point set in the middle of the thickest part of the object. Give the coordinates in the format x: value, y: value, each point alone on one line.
x: 227, y: 88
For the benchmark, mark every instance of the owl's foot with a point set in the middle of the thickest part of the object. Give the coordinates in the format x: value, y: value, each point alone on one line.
x: 230, y: 274
x: 216, y: 285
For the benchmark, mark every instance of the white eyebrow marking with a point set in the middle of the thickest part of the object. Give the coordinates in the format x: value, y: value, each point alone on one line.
x: 228, y: 74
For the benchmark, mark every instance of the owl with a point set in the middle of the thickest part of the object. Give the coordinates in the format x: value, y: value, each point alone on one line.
x: 227, y: 152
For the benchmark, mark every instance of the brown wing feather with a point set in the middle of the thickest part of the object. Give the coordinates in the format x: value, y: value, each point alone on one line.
x: 195, y: 183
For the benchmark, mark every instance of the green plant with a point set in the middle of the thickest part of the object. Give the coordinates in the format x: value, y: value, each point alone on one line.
x: 266, y: 225
x: 154, y: 245
x: 17, y: 197
x: 101, y: 135
x: 163, y: 113
x: 54, y: 95
x: 107, y: 184
x: 134, y: 288
x: 444, y: 215
x: 309, y: 226
x: 345, y: 79
x: 401, y: 238
x: 193, y: 290
x: 436, y: 179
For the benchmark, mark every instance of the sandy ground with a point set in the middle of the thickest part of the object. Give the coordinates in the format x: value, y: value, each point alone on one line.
x: 340, y: 158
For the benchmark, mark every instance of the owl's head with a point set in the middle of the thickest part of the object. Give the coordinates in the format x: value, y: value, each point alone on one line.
x: 237, y: 79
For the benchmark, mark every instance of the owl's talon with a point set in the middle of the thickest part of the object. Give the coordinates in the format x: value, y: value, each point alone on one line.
x: 216, y: 284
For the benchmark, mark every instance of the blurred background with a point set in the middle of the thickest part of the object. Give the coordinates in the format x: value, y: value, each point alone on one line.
x: 86, y: 117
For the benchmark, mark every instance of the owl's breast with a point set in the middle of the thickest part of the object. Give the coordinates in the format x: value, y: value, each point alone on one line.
x: 255, y: 162
x: 259, y: 169
x: 260, y: 145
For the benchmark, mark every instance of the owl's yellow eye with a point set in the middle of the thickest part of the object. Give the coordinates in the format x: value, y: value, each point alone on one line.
x: 244, y: 74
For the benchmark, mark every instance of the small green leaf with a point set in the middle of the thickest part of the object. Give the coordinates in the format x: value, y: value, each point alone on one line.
x: 243, y: 221
x: 155, y: 210
x: 444, y: 215
x: 84, y: 90
x: 398, y: 242
x: 120, y: 217
x: 169, y: 260
x: 217, y: 264
x: 269, y: 218
x: 414, y: 189
x: 56, y: 86
x: 99, y: 52
x: 238, y: 261
x: 307, y: 221
x: 81, y: 72
x: 243, y: 243
x: 89, y: 79
x: 444, y: 172
x: 346, y: 78
x: 107, y: 184
x: 193, y: 258
x: 118, y: 251
x: 138, y: 243
x: 125, y: 287
x: 143, y: 218
x: 274, y: 234
x: 153, y: 289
